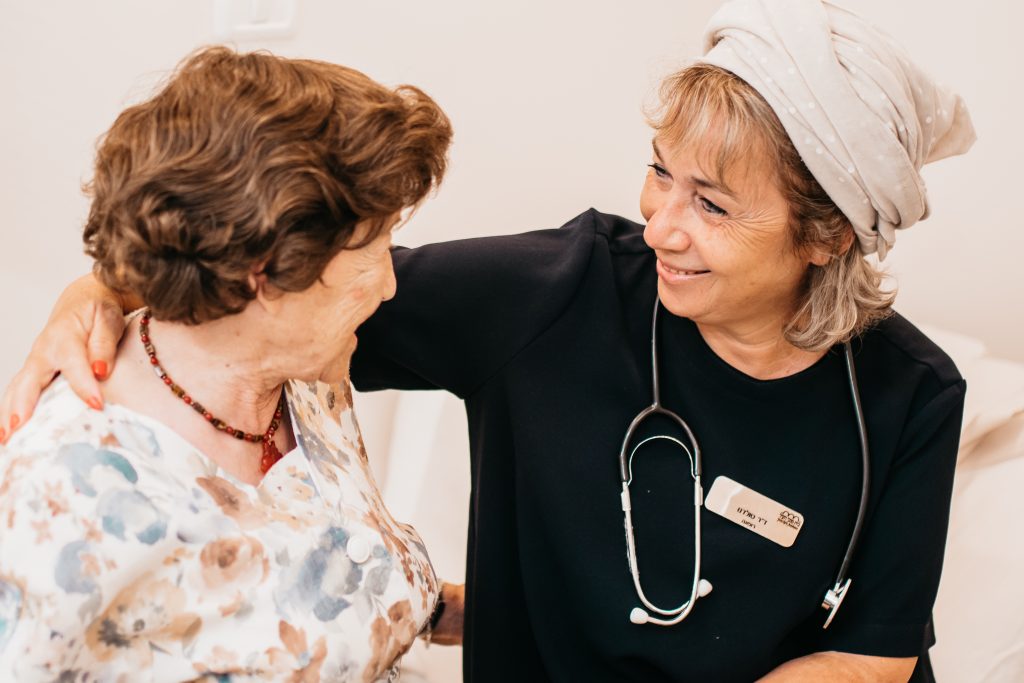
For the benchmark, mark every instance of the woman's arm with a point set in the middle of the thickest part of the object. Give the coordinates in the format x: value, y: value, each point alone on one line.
x: 465, y: 308
x: 843, y: 667
x: 79, y: 340
x: 898, y: 562
x: 449, y: 627
x: 462, y: 309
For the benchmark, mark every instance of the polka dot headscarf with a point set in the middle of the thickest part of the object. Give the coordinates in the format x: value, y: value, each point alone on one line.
x: 863, y: 117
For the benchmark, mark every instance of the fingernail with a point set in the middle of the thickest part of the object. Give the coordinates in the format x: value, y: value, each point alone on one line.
x: 3, y: 435
x: 99, y: 369
x: 95, y: 403
x: 15, y: 420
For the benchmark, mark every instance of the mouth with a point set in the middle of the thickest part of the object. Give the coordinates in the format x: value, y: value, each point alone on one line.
x: 673, y: 275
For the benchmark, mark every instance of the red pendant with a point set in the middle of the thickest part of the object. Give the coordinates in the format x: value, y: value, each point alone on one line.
x: 271, y: 455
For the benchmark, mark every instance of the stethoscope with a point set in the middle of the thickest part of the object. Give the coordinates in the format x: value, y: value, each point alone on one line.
x: 701, y: 587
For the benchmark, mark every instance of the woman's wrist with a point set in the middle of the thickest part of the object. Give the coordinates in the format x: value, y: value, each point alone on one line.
x: 445, y: 624
x: 90, y: 288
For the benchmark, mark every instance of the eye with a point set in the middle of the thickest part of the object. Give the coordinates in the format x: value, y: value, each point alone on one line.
x: 711, y: 207
x: 659, y: 170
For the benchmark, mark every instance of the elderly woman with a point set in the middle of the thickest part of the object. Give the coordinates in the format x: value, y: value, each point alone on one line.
x: 218, y: 517
x: 773, y: 370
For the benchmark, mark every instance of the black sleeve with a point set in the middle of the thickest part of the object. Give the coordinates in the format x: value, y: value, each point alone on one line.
x: 464, y: 308
x: 895, y: 573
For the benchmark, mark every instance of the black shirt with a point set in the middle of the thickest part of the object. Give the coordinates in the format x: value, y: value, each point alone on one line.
x: 546, y: 337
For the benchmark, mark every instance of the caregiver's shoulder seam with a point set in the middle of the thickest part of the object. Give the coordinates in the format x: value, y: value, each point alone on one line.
x: 900, y: 334
x: 622, y: 235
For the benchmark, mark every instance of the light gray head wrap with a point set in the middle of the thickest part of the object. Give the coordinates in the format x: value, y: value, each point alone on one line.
x: 863, y: 117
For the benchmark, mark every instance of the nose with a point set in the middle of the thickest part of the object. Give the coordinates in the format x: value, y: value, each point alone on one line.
x: 669, y: 226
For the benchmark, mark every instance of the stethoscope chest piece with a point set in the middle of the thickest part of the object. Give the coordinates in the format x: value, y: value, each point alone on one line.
x: 833, y: 599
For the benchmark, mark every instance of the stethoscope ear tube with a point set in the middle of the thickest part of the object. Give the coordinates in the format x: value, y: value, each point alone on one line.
x: 699, y: 587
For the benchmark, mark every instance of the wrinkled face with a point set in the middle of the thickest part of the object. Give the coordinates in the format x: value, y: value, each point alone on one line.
x: 724, y: 251
x: 322, y: 320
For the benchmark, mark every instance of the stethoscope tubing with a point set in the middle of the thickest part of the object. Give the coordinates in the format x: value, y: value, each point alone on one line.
x: 865, y: 489
x: 626, y: 470
x: 833, y: 597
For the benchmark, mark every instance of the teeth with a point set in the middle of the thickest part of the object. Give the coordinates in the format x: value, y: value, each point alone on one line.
x: 683, y: 272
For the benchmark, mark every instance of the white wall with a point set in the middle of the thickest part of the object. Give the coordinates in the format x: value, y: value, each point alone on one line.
x: 546, y: 98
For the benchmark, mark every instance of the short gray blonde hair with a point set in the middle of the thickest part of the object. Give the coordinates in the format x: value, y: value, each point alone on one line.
x: 840, y: 299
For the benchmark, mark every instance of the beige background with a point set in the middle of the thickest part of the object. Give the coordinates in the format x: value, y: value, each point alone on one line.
x: 546, y: 98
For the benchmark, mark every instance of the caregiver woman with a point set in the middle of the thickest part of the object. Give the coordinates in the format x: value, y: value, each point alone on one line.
x: 782, y: 159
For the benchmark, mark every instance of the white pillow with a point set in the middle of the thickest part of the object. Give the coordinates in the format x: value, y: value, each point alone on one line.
x: 979, y: 623
x: 995, y: 387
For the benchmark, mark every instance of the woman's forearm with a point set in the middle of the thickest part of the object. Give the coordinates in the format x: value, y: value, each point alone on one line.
x: 842, y: 667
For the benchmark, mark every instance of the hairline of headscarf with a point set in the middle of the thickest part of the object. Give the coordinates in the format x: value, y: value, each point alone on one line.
x: 862, y: 116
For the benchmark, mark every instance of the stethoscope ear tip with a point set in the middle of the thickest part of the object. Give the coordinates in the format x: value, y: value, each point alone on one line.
x: 704, y: 588
x: 638, y: 616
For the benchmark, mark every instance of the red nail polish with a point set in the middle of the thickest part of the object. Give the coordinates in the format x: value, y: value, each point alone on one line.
x: 95, y: 403
x: 15, y: 420
x: 3, y: 435
x: 99, y: 369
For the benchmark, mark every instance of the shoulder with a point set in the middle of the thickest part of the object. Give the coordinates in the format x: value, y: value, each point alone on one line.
x: 77, y: 517
x: 622, y: 235
x: 899, y: 339
x: 464, y: 308
x: 61, y: 443
x: 74, y: 473
x: 58, y: 413
x: 907, y: 376
x: 546, y: 255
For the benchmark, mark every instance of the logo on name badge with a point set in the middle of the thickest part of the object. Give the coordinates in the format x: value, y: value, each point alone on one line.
x: 754, y: 511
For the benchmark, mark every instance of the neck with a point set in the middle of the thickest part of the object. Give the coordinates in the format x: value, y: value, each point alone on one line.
x: 221, y: 365
x: 218, y: 364
x: 230, y: 366
x: 759, y: 350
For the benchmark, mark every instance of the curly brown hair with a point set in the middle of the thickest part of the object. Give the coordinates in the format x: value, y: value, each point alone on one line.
x: 252, y: 162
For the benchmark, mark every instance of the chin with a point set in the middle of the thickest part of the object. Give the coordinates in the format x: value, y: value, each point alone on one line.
x: 336, y: 372
x: 680, y: 305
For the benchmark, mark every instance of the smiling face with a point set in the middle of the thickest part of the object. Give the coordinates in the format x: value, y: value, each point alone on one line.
x: 725, y: 255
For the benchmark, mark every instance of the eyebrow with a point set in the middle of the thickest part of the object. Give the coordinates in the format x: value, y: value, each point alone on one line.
x: 697, y: 180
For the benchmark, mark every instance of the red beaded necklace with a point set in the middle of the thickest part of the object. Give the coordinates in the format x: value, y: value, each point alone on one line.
x: 271, y: 454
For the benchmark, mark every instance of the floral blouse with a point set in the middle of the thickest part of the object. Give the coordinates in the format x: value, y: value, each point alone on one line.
x: 126, y: 555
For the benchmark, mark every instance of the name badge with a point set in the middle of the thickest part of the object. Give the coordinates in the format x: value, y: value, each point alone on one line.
x: 756, y: 512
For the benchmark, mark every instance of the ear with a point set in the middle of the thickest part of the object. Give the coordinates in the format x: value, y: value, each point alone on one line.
x: 267, y: 296
x: 819, y: 255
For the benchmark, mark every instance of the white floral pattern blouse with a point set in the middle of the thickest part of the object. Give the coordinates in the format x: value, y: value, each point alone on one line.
x: 126, y: 555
